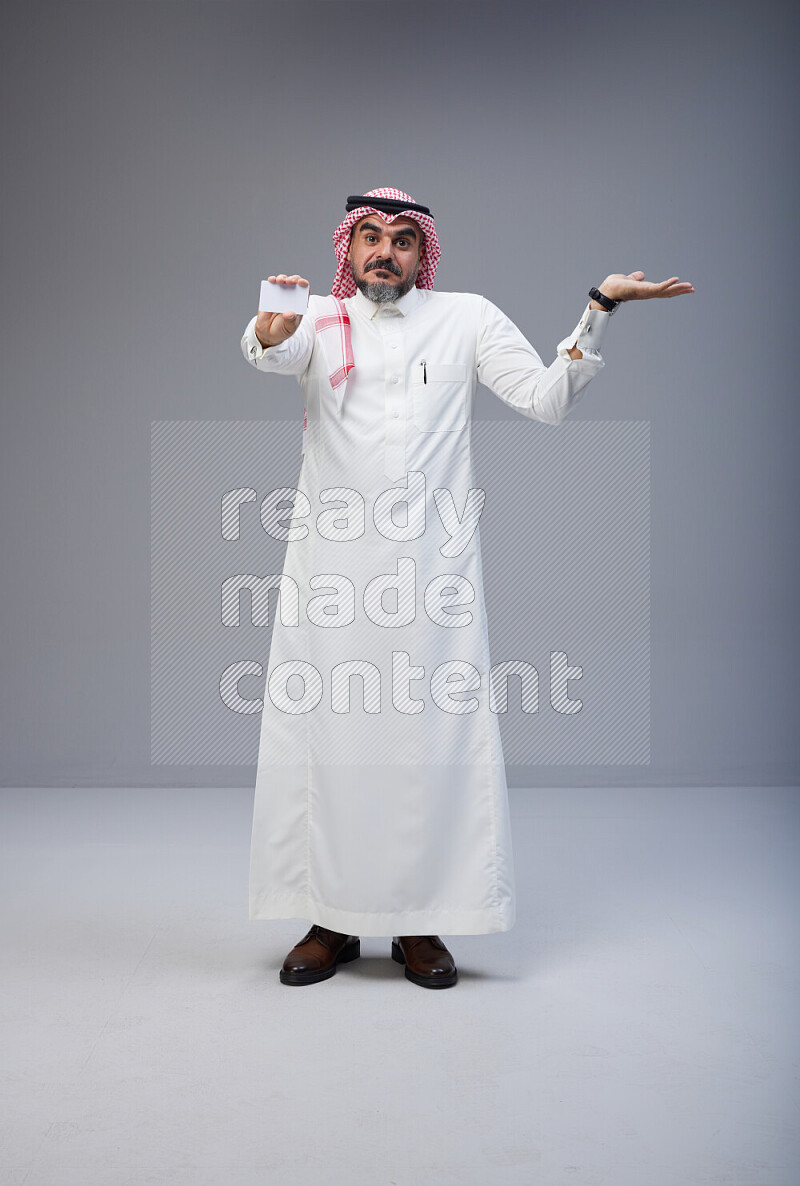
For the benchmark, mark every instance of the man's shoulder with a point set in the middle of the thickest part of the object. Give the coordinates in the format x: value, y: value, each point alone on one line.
x: 435, y: 298
x: 437, y: 294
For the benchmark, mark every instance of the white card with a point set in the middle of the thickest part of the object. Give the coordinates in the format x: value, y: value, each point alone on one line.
x: 283, y: 298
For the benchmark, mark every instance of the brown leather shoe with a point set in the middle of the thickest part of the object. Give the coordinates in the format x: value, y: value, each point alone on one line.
x: 317, y: 954
x: 427, y: 960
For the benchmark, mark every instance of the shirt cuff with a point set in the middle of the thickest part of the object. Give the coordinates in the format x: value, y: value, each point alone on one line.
x: 587, y: 334
x: 253, y: 348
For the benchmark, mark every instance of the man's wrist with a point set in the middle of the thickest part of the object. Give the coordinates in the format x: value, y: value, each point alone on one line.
x: 254, y: 347
x: 588, y: 333
x: 601, y: 298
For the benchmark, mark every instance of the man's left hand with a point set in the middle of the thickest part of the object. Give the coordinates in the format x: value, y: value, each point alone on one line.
x: 634, y: 287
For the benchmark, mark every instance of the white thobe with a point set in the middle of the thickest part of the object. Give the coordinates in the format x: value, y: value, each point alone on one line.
x: 381, y: 805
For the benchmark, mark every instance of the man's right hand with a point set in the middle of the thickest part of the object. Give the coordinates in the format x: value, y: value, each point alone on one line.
x: 274, y: 328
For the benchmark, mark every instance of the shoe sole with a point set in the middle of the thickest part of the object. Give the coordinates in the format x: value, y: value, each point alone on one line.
x: 346, y: 955
x: 444, y: 981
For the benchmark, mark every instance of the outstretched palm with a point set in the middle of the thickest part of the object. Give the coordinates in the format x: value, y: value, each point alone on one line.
x: 634, y: 287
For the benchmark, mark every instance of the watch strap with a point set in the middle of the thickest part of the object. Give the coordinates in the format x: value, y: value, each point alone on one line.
x: 603, y: 300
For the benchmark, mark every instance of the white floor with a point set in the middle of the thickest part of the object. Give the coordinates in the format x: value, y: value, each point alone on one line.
x: 637, y: 1027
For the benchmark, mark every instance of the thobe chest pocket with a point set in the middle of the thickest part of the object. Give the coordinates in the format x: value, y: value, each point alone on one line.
x: 439, y: 392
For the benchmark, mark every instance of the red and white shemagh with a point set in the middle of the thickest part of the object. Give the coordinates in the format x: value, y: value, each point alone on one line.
x: 333, y: 326
x: 333, y: 334
x: 343, y: 284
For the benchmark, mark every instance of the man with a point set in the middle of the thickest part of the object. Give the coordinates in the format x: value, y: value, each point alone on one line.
x: 389, y: 815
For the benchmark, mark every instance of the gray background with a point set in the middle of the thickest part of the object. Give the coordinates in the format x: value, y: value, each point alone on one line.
x: 159, y: 159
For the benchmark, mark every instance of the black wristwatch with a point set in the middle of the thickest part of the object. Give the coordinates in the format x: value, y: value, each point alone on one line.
x: 609, y: 305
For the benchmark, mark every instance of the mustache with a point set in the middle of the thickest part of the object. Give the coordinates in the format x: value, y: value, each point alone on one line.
x: 384, y: 266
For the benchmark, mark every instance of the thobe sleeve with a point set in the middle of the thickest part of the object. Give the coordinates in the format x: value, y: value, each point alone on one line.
x: 510, y: 367
x: 290, y: 357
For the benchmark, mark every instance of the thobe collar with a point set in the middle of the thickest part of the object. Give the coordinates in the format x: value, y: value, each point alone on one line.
x: 402, y: 307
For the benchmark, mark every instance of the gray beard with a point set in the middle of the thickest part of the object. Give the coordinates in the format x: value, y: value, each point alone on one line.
x: 381, y: 292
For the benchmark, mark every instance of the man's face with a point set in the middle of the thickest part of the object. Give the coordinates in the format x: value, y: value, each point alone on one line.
x: 385, y: 257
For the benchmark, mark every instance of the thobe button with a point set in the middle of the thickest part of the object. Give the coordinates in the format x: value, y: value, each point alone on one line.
x: 394, y: 345
x: 395, y: 414
x: 395, y: 379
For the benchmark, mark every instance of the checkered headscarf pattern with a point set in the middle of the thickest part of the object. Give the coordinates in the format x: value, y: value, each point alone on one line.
x: 344, y: 285
x: 333, y: 331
